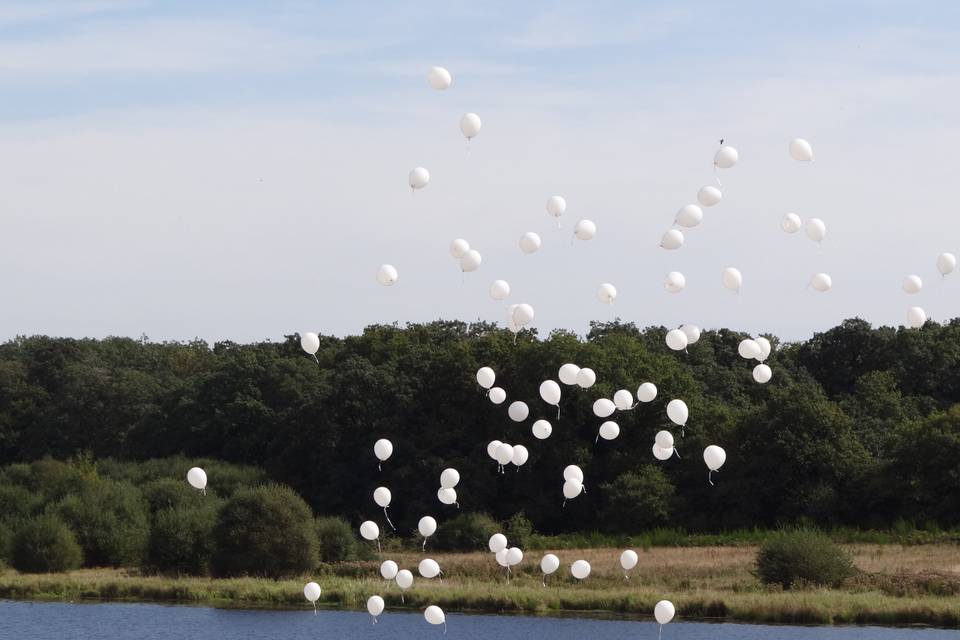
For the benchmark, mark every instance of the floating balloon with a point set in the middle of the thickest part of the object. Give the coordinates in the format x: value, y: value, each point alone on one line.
x: 459, y: 248
x: 664, y: 612
x: 606, y: 293
x: 689, y: 216
x: 676, y: 339
x: 497, y: 395
x: 504, y: 454
x: 449, y: 478
x: 520, y: 455
x: 389, y: 569
x: 556, y: 205
x: 725, y: 157
x: 387, y: 275
x: 692, y: 332
x: 816, y: 229
x: 916, y: 317
x: 499, y: 290
x: 549, y: 564
x: 439, y: 78
x: 514, y: 556
x: 428, y: 568
x: 470, y: 125
x: 732, y: 279
x: 675, y: 282
x: 762, y: 373
x: 571, y: 489
x: 603, y: 408
x: 573, y: 472
x: 628, y: 560
x: 492, y: 448
x: 550, y: 392
x: 497, y: 543
x: 791, y: 223
x: 418, y: 178
x: 375, y: 605
x: 765, y: 348
x: 664, y: 440
x: 585, y: 230
x: 801, y: 150
x: 501, y: 557
x: 518, y: 411
x: 709, y: 196
x: 580, y: 569
x: 541, y: 429
x: 662, y: 454
x: 447, y: 495
x: 568, y: 374
x: 434, y: 615
x: 382, y: 496
x: 370, y: 531
x: 404, y: 579
x: 311, y: 592
x: 310, y: 342
x: 946, y: 262
x: 912, y: 284
x: 609, y: 430
x: 749, y: 349
x: 586, y: 378
x: 646, y: 392
x: 821, y: 282
x: 486, y: 377
x: 197, y: 478
x: 427, y: 527
x: 672, y: 239
x: 523, y: 315
x: 714, y: 456
x: 623, y: 400
x: 471, y: 261
x: 383, y: 449
x: 530, y: 242
x: 678, y: 412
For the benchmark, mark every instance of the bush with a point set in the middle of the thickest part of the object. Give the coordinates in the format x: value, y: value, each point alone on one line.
x: 795, y: 558
x: 109, y: 519
x: 519, y: 530
x: 336, y: 539
x: 54, y: 480
x: 182, y: 539
x: 45, y: 545
x: 267, y: 531
x: 167, y: 493
x: 465, y: 532
x: 638, y: 500
x: 17, y: 503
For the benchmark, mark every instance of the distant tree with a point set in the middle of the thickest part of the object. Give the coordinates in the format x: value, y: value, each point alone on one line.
x: 637, y: 500
x: 44, y: 544
x: 109, y: 519
x: 182, y: 538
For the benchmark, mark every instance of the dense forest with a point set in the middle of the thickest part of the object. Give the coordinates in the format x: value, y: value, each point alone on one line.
x: 859, y: 426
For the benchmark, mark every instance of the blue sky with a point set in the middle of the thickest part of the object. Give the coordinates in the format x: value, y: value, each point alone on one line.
x: 237, y: 169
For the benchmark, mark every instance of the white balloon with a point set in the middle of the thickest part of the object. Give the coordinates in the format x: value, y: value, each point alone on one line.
x: 603, y: 408
x: 677, y: 340
x: 568, y: 374
x: 606, y: 293
x: 310, y: 342
x: 664, y: 439
x: 501, y: 557
x: 816, y: 229
x: 449, y: 478
x: 629, y: 559
x: 672, y: 239
x: 383, y: 449
x: 573, y: 472
x: 387, y: 275
x: 646, y: 392
x: 709, y: 195
x: 470, y: 125
x: 585, y: 229
x: 714, y: 456
x: 523, y: 315
x: 675, y: 282
x: 530, y: 242
x: 447, y: 495
x: 801, y: 150
x: 749, y: 349
x: 434, y: 615
x: 677, y: 412
x: 541, y: 429
x: 571, y: 489
x: 662, y: 454
x: 912, y: 284
x: 470, y: 261
x: 197, y: 478
x: 762, y: 373
x: 498, y: 542
x: 428, y: 568
x: 514, y: 556
x: 689, y: 216
x: 765, y: 348
x: 375, y: 605
x: 389, y: 569
x: 916, y: 317
x: 726, y: 157
x: 439, y: 78
x: 369, y: 530
x: 580, y: 569
x: 418, y: 178
x: 821, y: 282
x: 497, y: 395
x: 505, y: 454
x: 492, y: 448
x: 623, y: 400
x: 312, y: 591
x: 609, y: 430
x: 518, y: 411
x: 427, y: 526
x: 556, y: 205
x: 404, y: 579
x: 500, y: 289
x: 664, y: 611
x: 459, y: 248
x: 791, y: 223
x: 486, y: 377
x: 732, y: 279
x: 520, y: 455
x: 692, y: 332
x: 382, y: 496
x: 586, y: 378
x: 550, y: 392
x: 549, y: 563
x: 946, y: 262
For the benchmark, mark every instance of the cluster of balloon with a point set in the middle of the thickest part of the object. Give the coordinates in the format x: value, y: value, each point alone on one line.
x: 429, y: 569
x: 912, y: 284
x: 678, y: 413
x: 197, y: 478
x: 757, y: 349
x: 427, y: 527
x: 370, y: 531
x: 680, y: 339
x: 447, y: 493
x: 580, y: 569
x: 383, y: 449
x: 504, y: 454
x: 382, y: 496
x: 606, y: 293
x: 506, y: 557
x: 663, y: 446
x: 519, y: 316
x: 556, y: 205
x: 548, y: 565
x: 434, y: 615
x: 311, y: 592
x: 572, y: 483
x: 550, y: 393
x: 403, y: 577
x: 375, y: 606
x: 663, y: 612
x: 628, y: 560
x: 714, y: 456
x: 470, y: 259
x: 387, y: 275
x: 530, y: 242
x: 310, y: 342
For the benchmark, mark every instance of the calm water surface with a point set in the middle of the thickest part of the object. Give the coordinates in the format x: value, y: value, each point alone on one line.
x: 61, y: 621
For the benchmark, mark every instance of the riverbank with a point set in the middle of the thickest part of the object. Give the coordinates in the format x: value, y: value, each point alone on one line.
x: 897, y: 586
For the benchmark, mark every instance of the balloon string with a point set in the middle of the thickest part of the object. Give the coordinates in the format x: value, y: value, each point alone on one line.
x: 625, y: 576
x: 204, y: 491
x: 314, y: 607
x: 597, y: 440
x: 676, y: 453
x: 444, y: 628
x: 379, y: 550
x: 564, y: 505
x: 317, y: 360
x: 710, y: 477
x: 558, y: 412
x: 660, y: 632
x: 388, y: 519
x: 402, y: 600
x: 379, y: 468
x: 424, y: 547
x: 715, y: 176
x: 458, y: 504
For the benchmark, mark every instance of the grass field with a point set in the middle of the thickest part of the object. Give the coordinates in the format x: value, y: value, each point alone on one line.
x: 897, y: 585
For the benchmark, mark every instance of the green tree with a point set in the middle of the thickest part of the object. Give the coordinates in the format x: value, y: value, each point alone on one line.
x: 44, y: 544
x: 182, y: 538
x: 110, y: 522
x: 637, y: 500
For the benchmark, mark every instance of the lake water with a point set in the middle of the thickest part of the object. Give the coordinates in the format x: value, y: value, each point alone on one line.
x: 109, y: 621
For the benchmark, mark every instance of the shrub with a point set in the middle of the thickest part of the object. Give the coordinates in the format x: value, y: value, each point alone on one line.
x: 336, y: 539
x: 54, y: 480
x: 519, y: 530
x: 182, y: 538
x: 465, y: 532
x: 17, y: 503
x: 167, y: 493
x: 794, y: 558
x: 638, y: 500
x: 44, y: 545
x: 109, y: 519
x: 267, y: 531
